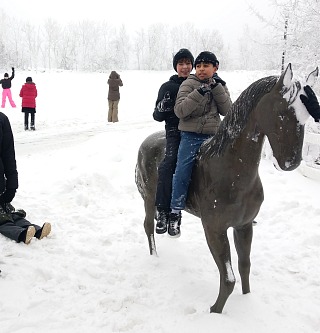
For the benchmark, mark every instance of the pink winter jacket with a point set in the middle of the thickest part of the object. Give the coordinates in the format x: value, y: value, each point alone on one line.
x: 28, y: 93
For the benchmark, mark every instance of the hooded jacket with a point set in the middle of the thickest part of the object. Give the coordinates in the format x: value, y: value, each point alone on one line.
x: 28, y: 93
x: 114, y: 83
x: 197, y: 113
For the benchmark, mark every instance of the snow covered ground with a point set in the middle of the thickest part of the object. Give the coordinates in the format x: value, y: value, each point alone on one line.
x: 94, y: 272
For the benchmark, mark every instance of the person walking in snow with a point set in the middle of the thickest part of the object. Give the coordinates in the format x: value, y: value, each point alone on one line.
x: 114, y: 83
x: 6, y: 92
x: 13, y: 223
x: 182, y: 64
x: 29, y: 94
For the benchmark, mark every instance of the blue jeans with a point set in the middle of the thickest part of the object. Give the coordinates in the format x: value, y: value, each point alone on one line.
x: 188, y: 149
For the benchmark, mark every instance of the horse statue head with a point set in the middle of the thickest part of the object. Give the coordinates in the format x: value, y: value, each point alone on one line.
x: 282, y: 116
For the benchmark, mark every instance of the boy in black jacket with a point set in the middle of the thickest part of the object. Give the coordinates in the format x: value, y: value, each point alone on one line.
x: 182, y: 64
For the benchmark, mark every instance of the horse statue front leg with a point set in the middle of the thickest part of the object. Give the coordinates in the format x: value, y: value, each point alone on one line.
x: 242, y: 240
x: 220, y: 249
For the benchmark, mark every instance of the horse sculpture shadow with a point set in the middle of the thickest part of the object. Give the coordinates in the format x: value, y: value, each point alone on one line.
x: 226, y: 190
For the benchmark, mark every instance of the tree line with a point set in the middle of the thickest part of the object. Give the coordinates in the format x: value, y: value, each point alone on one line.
x: 290, y: 36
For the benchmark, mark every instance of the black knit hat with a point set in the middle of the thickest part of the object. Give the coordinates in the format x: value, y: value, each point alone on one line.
x: 6, y: 75
x: 181, y: 54
x: 208, y: 57
x: 29, y: 79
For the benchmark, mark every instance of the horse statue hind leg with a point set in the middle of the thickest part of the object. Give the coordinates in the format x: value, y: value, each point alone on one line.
x: 226, y: 190
x: 150, y: 154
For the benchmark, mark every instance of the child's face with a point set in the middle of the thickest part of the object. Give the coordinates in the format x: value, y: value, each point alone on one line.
x: 205, y: 70
x: 184, y: 67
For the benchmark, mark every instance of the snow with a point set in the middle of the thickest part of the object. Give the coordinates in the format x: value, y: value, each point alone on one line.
x: 94, y: 272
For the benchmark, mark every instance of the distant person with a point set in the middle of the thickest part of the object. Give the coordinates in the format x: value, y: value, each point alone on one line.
x: 164, y: 111
x: 114, y: 83
x: 6, y: 92
x: 13, y: 223
x: 29, y: 94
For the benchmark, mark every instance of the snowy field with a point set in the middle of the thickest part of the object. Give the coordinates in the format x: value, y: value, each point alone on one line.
x: 94, y: 272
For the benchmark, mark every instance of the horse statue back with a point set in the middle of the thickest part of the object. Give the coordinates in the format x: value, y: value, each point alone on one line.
x: 226, y: 190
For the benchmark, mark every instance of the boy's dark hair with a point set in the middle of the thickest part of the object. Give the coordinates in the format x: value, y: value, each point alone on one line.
x: 182, y: 54
x: 207, y: 57
x: 6, y: 75
x: 29, y: 79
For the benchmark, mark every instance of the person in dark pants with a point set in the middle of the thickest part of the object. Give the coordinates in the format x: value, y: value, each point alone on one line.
x: 182, y: 64
x: 12, y: 222
x: 29, y: 94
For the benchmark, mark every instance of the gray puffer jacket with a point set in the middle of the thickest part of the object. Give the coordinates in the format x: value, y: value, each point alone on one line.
x: 197, y: 113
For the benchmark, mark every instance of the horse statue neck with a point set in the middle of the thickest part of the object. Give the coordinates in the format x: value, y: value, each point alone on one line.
x: 239, y: 138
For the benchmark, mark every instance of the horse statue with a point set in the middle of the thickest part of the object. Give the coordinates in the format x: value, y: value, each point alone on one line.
x: 226, y: 190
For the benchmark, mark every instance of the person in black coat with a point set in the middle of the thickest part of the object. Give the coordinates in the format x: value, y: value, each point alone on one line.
x: 12, y: 222
x: 182, y: 64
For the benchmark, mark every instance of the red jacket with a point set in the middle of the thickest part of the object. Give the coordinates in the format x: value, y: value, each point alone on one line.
x: 28, y: 93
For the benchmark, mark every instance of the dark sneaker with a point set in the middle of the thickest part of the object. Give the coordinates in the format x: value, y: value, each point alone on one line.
x: 32, y: 128
x: 44, y: 231
x: 27, y: 235
x: 174, y: 225
x: 162, y: 222
x: 26, y: 127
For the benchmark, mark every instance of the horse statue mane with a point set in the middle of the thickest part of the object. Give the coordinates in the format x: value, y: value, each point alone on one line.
x: 234, y: 122
x: 226, y: 189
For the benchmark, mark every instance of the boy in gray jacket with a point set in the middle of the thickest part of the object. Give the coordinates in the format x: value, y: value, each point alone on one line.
x: 201, y: 99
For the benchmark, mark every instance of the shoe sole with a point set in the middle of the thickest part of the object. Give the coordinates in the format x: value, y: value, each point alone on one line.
x: 161, y: 231
x: 30, y: 233
x: 175, y: 236
x: 46, y: 229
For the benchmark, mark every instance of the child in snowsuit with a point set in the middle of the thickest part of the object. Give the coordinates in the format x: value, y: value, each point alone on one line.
x: 29, y: 93
x: 6, y: 92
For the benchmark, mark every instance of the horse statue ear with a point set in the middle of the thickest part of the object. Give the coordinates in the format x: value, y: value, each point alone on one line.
x: 285, y: 78
x: 312, y: 77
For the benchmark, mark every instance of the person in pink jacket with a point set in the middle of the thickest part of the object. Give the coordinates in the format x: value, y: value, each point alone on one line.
x: 29, y: 93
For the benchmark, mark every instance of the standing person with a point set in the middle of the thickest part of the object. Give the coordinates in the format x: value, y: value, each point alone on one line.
x: 114, y: 83
x: 29, y: 93
x: 164, y: 111
x: 6, y: 92
x: 13, y: 223
x: 202, y: 97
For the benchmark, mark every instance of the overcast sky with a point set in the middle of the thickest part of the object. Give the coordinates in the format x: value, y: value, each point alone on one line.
x: 227, y: 16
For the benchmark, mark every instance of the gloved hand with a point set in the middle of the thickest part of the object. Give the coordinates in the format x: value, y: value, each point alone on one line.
x: 166, y: 104
x: 311, y: 103
x: 207, y: 86
x: 8, y: 195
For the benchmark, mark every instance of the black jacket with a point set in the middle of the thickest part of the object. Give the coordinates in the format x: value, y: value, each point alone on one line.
x: 6, y: 83
x: 8, y: 166
x: 171, y: 120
